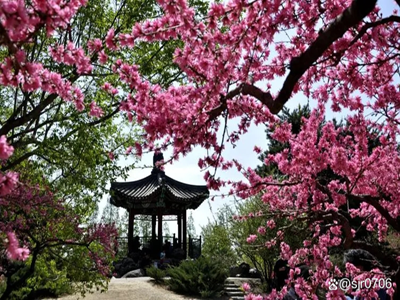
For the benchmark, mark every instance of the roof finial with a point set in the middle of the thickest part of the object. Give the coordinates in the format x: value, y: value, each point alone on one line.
x: 158, y: 156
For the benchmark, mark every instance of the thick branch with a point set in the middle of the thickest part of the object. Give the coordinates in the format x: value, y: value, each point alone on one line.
x: 19, y: 160
x: 13, y: 123
x: 374, y: 201
x: 14, y: 285
x: 38, y: 126
x: 348, y: 241
x: 350, y: 17
x: 244, y: 89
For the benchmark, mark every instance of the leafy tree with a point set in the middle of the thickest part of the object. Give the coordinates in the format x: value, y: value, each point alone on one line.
x: 110, y: 214
x: 144, y: 227
x: 191, y: 228
x: 253, y: 217
x: 63, y: 144
x: 165, y: 230
x: 60, y: 247
x: 218, y: 244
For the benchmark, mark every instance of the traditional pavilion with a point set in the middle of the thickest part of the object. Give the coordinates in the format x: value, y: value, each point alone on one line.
x: 158, y: 195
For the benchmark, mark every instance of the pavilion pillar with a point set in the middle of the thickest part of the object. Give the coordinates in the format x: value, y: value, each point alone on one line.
x: 153, y: 227
x: 180, y: 230
x: 130, y: 230
x: 160, y: 237
x: 184, y: 232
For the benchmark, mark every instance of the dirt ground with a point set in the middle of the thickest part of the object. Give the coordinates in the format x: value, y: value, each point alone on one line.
x: 140, y: 288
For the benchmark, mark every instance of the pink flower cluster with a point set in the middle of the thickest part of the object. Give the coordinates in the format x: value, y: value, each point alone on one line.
x: 5, y: 149
x: 33, y: 76
x: 72, y: 56
x: 8, y: 182
x: 20, y: 18
x: 252, y: 238
x: 9, y: 179
x: 14, y: 252
x: 95, y: 111
x: 250, y: 296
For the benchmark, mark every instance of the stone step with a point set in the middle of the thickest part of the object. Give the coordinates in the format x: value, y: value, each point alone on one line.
x: 232, y: 288
x: 234, y: 293
x: 237, y: 298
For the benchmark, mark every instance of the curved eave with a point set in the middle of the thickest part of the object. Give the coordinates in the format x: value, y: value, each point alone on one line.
x: 148, y: 189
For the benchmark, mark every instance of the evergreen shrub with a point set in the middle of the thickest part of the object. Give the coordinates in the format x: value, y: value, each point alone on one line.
x: 201, y: 277
x: 157, y: 274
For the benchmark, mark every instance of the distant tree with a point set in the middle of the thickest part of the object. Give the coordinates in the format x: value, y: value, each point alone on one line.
x: 294, y: 118
x: 217, y: 241
x: 166, y: 231
x: 110, y: 214
x: 191, y: 228
x: 262, y: 251
x: 144, y: 226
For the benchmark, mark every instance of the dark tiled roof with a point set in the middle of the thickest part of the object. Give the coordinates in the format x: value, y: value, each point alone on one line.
x: 149, y: 190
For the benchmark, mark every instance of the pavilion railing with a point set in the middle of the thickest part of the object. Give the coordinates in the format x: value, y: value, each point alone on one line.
x: 194, y: 247
x: 144, y: 241
x: 194, y: 244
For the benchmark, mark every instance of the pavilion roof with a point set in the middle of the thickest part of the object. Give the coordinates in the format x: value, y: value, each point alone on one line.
x: 157, y: 190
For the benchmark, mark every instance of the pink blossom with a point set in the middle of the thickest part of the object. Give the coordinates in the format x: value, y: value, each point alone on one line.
x: 8, y: 182
x: 128, y: 150
x: 271, y: 224
x: 257, y: 150
x: 14, y: 252
x: 103, y: 57
x: 110, y: 43
x: 253, y: 297
x: 5, y: 149
x: 94, y: 45
x: 138, y: 149
x: 261, y: 230
x: 111, y: 155
x: 251, y: 238
x: 79, y: 105
x: 246, y: 287
x: 95, y: 111
x: 286, y: 252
